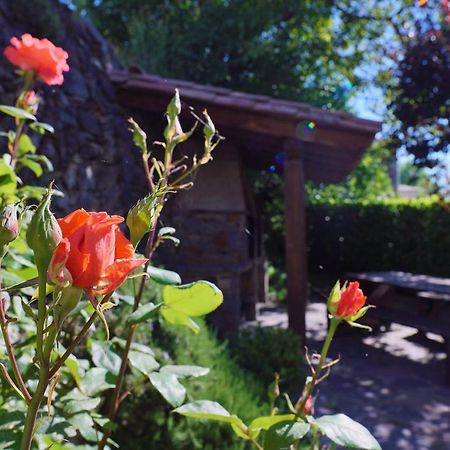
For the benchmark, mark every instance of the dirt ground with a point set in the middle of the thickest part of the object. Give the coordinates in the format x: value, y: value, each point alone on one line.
x: 390, y: 381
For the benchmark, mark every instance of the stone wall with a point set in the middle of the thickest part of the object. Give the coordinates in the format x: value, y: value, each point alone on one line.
x: 95, y: 162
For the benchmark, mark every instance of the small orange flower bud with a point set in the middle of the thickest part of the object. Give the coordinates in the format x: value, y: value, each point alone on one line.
x: 351, y: 300
x: 309, y: 406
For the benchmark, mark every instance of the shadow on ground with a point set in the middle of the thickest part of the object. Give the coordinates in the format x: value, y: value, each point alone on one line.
x: 391, y: 381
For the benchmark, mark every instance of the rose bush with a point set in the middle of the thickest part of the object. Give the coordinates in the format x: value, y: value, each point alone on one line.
x: 87, y: 253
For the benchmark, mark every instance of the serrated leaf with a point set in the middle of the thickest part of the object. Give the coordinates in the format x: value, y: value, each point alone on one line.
x: 184, y: 371
x: 346, y: 432
x: 143, y: 313
x: 84, y: 423
x: 26, y: 145
x: 143, y: 362
x: 163, y: 276
x: 265, y: 422
x: 17, y: 112
x: 75, y: 401
x: 96, y: 380
x: 208, y: 410
x: 103, y: 356
x: 169, y: 387
x: 283, y: 434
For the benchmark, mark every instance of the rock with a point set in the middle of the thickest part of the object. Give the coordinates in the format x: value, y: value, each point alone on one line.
x: 91, y: 150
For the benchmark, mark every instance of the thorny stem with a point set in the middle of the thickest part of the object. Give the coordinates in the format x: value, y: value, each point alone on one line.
x: 334, y: 322
x: 163, y: 182
x: 73, y: 344
x: 15, y: 147
x: 21, y: 123
x: 41, y: 317
x: 116, y: 397
x: 44, y: 379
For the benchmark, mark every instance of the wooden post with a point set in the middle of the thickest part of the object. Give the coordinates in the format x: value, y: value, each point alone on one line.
x: 295, y: 237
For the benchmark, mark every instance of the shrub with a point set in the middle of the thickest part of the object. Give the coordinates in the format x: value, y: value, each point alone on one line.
x: 397, y: 234
x: 146, y: 419
x: 264, y: 351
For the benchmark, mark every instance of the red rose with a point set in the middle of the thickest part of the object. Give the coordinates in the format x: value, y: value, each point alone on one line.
x: 94, y: 254
x: 351, y: 300
x: 40, y: 56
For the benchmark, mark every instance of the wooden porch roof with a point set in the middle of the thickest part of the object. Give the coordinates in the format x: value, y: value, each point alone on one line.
x: 261, y: 126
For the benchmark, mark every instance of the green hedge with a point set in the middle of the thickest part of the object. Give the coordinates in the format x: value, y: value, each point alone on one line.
x: 396, y: 234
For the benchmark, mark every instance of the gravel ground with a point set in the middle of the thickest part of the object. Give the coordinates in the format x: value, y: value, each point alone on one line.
x: 390, y: 381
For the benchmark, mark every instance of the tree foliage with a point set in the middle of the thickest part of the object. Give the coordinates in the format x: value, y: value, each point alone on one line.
x: 421, y: 98
x: 283, y: 48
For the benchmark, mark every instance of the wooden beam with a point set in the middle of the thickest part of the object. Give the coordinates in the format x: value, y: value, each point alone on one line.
x: 295, y: 236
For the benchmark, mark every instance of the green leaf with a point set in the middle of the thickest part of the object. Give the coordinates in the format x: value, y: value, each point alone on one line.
x: 194, y: 299
x: 41, y: 128
x: 143, y: 313
x: 72, y: 364
x: 169, y: 387
x: 240, y: 430
x: 361, y: 313
x: 85, y: 425
x: 163, y: 276
x: 183, y: 371
x: 17, y: 112
x: 346, y: 432
x: 8, y: 179
x: 265, y: 422
x: 207, y: 410
x: 179, y: 318
x: 34, y: 166
x: 75, y: 401
x: 34, y: 192
x: 283, y: 434
x: 96, y: 380
x: 26, y: 145
x: 143, y: 362
x: 103, y: 356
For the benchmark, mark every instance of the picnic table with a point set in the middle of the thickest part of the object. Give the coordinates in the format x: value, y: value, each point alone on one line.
x: 416, y: 300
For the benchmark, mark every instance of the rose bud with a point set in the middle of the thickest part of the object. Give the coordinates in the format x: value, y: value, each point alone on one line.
x: 9, y: 226
x: 351, y: 300
x: 44, y: 233
x: 347, y: 303
x: 29, y: 101
x: 93, y: 254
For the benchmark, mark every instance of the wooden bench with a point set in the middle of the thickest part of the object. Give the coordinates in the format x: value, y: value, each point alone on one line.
x: 419, y: 301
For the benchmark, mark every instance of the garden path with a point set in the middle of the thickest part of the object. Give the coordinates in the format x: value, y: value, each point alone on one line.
x: 390, y: 381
